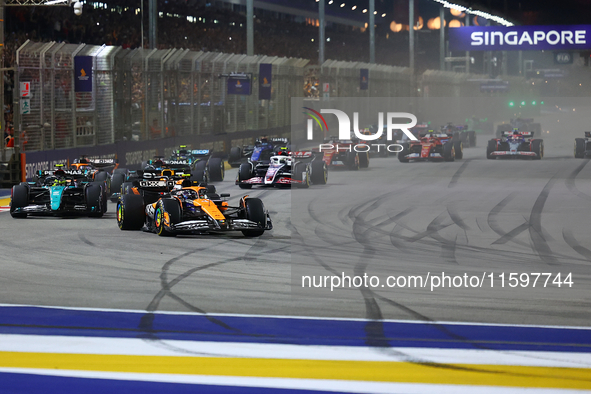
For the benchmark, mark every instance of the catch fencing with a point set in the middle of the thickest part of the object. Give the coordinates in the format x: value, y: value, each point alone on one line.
x: 143, y: 95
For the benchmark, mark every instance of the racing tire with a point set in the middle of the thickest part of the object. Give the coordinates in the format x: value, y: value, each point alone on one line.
x: 123, y: 171
x: 298, y: 173
x: 244, y: 173
x: 200, y: 173
x: 216, y: 170
x: 490, y: 148
x: 126, y: 188
x: 402, y: 155
x: 235, y: 156
x: 537, y: 146
x: 448, y: 151
x: 172, y: 208
x: 363, y: 160
x: 116, y: 182
x: 94, y: 196
x: 458, y: 150
x: 579, y: 148
x: 319, y: 175
x: 255, y: 211
x: 352, y: 161
x: 19, y: 199
x: 131, y: 212
x: 472, y: 138
x: 101, y: 176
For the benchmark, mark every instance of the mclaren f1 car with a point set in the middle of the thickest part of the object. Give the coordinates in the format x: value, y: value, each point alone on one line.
x: 169, y: 210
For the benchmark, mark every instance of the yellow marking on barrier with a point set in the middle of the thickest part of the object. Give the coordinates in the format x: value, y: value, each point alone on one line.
x: 464, y: 374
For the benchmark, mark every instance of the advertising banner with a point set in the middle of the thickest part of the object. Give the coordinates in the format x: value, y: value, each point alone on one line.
x: 363, y: 79
x: 239, y: 85
x: 83, y: 73
x: 265, y: 80
x: 520, y: 38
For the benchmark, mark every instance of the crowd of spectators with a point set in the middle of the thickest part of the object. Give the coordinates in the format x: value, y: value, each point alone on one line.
x: 213, y: 29
x: 208, y: 29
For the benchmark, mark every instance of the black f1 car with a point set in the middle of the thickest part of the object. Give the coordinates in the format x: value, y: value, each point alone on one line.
x: 167, y: 208
x: 583, y: 146
x: 59, y: 192
x: 516, y: 144
x: 284, y: 169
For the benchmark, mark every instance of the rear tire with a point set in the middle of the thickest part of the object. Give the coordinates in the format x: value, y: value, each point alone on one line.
x: 131, y: 212
x: 244, y: 173
x: 255, y: 211
x: 116, y: 182
x: 19, y: 199
x: 579, y: 148
x: 319, y: 175
x: 235, y: 157
x: 363, y: 160
x: 352, y: 161
x: 216, y: 169
x: 472, y: 138
x: 173, y: 209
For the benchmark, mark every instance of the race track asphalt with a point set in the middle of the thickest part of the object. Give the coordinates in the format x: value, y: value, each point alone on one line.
x: 473, y: 216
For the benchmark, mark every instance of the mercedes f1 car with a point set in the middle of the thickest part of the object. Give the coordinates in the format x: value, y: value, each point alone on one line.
x: 516, y: 144
x: 96, y: 169
x: 285, y: 169
x: 206, y: 166
x: 432, y: 147
x: 59, y: 192
x: 264, y: 145
x: 168, y: 209
x: 583, y: 146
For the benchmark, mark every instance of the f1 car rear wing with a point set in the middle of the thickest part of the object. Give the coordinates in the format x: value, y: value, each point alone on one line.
x: 524, y: 134
x: 306, y: 155
x: 587, y: 134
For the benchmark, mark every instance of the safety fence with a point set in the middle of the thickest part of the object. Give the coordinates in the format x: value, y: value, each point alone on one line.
x: 82, y: 95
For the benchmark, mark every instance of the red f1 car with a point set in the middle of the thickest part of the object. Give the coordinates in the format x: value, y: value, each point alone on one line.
x: 432, y: 147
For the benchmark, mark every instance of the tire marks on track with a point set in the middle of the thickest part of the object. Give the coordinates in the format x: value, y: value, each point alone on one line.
x: 570, y: 182
x: 570, y: 239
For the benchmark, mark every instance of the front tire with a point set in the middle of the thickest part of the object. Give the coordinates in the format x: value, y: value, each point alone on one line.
x: 579, y: 148
x: 19, y: 199
x: 537, y: 146
x: 244, y: 174
x: 255, y: 211
x: 170, y: 208
x: 131, y: 212
x: 363, y: 160
x: 300, y: 173
x: 319, y: 174
x: 94, y: 199
x: 448, y: 151
x: 490, y: 148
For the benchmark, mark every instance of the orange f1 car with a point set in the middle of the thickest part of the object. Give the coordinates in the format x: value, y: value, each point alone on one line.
x: 188, y: 210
